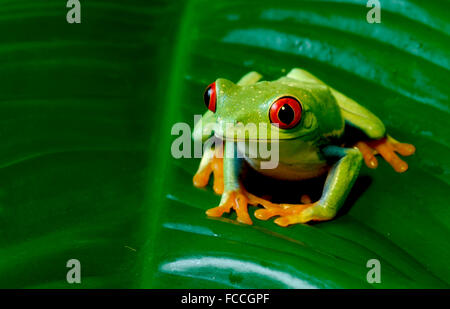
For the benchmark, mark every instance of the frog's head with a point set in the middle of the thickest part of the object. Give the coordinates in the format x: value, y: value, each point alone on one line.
x: 283, y: 109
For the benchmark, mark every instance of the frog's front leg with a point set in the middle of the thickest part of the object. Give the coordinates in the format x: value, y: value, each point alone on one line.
x: 211, y: 163
x: 234, y: 195
x: 338, y: 184
x: 359, y: 117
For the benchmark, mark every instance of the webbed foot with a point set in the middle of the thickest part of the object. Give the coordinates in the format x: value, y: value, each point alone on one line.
x: 387, y: 148
x: 295, y: 213
x: 288, y: 213
x: 236, y: 200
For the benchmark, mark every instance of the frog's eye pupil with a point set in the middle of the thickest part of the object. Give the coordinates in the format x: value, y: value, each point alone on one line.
x: 210, y: 97
x: 207, y: 95
x: 285, y: 112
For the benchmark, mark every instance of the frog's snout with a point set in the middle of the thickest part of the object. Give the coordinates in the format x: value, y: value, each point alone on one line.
x: 237, y: 130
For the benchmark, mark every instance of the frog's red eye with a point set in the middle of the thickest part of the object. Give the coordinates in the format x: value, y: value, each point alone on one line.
x: 210, y: 97
x: 286, y: 112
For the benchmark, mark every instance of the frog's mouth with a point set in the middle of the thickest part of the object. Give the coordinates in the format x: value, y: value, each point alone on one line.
x: 239, y: 138
x: 252, y: 133
x: 233, y: 138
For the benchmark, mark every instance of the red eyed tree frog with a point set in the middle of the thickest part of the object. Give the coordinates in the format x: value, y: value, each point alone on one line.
x: 309, y: 118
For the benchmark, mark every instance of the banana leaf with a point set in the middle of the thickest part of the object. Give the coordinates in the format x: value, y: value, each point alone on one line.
x: 87, y: 173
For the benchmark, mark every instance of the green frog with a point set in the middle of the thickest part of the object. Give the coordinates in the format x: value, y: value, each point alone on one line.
x: 305, y: 119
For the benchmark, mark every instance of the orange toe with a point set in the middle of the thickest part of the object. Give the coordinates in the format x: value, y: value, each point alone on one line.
x: 217, y: 168
x: 405, y: 149
x: 201, y: 178
x: 236, y: 200
x: 368, y: 154
x: 387, y: 148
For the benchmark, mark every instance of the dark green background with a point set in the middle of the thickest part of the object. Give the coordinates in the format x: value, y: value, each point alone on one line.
x: 85, y: 167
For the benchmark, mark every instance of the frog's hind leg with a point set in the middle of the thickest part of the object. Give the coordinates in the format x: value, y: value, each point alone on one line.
x: 249, y: 78
x: 387, y: 148
x: 339, y: 181
x: 271, y: 209
x: 266, y: 203
x: 361, y: 118
x: 354, y: 114
x: 303, y: 76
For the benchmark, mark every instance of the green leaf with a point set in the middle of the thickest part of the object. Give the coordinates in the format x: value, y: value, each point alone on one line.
x: 87, y: 110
